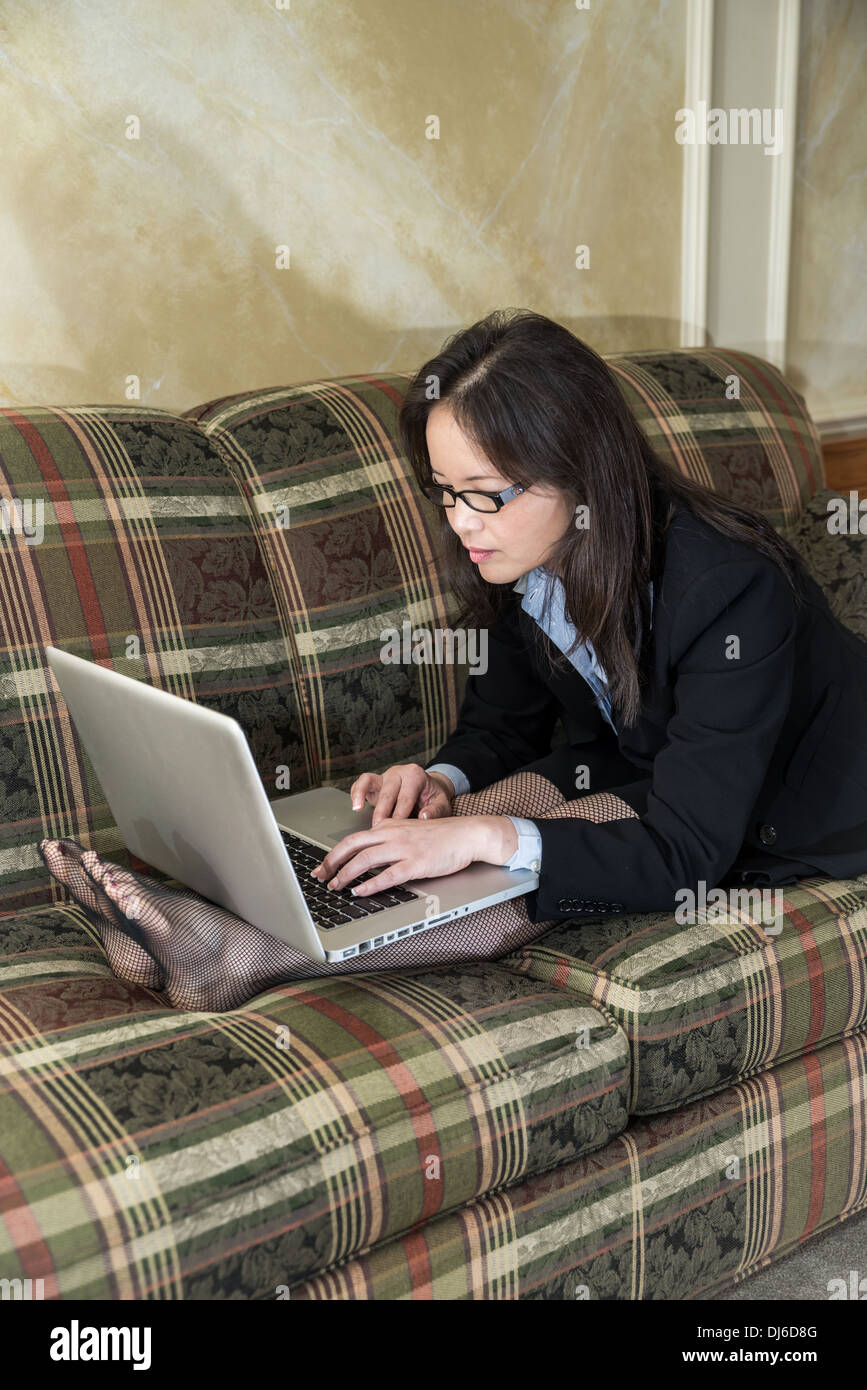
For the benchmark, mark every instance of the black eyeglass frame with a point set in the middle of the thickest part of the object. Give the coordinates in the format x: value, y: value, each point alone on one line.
x: 499, y: 498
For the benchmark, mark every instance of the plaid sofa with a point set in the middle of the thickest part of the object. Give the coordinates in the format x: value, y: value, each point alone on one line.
x: 627, y: 1108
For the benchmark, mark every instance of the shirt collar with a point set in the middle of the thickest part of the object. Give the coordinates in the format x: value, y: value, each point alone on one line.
x: 538, y: 573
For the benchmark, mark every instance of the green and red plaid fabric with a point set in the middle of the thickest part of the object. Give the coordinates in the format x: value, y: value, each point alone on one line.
x: 149, y: 1152
x: 679, y: 1206
x: 730, y: 420
x: 707, y: 1002
x: 840, y: 569
x: 350, y: 545
x: 146, y: 563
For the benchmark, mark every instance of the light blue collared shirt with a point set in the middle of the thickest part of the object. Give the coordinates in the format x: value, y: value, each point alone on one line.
x: 545, y: 601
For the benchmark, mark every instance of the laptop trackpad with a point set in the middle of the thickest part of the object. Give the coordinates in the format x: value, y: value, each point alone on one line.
x: 323, y: 814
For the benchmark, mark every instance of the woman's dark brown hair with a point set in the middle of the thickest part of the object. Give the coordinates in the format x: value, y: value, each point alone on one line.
x: 543, y: 407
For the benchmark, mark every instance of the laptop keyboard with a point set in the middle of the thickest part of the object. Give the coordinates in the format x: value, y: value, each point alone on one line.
x: 334, y: 907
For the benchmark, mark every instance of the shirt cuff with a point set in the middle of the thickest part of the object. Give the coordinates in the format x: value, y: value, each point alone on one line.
x: 528, y: 855
x: 461, y: 784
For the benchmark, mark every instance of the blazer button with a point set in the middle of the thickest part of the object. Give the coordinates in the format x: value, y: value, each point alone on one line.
x: 565, y: 905
x: 767, y: 834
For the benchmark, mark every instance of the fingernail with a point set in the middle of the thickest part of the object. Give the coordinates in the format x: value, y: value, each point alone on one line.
x: 356, y: 805
x: 423, y: 815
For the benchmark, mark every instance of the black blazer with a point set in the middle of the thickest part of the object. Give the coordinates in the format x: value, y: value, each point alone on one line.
x: 750, y: 771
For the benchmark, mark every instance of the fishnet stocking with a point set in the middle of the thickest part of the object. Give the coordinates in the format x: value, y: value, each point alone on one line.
x: 199, y: 956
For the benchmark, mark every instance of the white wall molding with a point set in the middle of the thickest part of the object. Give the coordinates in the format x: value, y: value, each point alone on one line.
x: 696, y: 179
x: 736, y: 220
x: 782, y: 181
x: 737, y: 199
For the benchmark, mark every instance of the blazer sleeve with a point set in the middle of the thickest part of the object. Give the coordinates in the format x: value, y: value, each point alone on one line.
x: 695, y: 805
x: 508, y: 713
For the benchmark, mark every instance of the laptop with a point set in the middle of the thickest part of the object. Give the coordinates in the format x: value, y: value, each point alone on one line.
x: 186, y: 796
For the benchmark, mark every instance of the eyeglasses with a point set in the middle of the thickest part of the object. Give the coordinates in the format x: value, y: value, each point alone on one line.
x: 444, y: 496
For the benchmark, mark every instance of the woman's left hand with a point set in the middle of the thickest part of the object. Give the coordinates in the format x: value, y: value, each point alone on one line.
x: 409, y: 849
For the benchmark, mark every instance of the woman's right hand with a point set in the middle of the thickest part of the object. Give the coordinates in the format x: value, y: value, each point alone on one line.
x: 404, y: 790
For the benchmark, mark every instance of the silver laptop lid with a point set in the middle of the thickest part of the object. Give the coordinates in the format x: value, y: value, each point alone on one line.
x: 186, y: 795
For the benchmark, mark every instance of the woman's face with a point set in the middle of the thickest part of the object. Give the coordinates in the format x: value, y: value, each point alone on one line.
x: 507, y: 543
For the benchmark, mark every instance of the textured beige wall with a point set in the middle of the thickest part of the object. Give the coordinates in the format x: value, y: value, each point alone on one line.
x: 306, y: 126
x: 260, y: 127
x: 827, y: 330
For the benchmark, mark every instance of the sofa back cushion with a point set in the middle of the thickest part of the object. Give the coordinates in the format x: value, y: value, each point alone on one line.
x: 350, y: 545
x: 730, y: 420
x: 125, y: 541
x: 831, y: 536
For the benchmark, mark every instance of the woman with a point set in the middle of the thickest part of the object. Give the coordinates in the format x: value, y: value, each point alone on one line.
x: 716, y: 713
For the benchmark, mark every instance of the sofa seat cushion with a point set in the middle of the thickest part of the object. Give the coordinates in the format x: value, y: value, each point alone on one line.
x: 704, y: 1004
x: 156, y: 1153
x: 679, y: 1207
